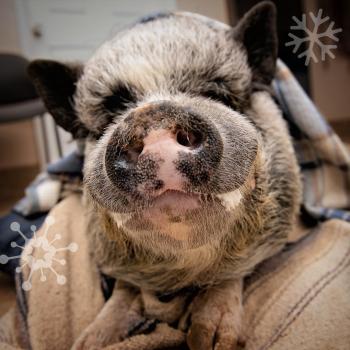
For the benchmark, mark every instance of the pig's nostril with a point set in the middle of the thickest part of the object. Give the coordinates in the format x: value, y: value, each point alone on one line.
x: 138, y: 148
x: 189, y: 138
x: 133, y: 151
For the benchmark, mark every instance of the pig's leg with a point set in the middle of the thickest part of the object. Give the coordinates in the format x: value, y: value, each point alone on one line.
x: 119, y: 316
x: 216, y: 318
x: 163, y: 337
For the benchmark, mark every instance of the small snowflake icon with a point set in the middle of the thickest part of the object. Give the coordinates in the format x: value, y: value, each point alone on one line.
x: 45, y: 256
x: 313, y: 37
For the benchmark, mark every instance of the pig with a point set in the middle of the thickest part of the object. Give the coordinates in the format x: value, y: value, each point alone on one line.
x: 190, y: 177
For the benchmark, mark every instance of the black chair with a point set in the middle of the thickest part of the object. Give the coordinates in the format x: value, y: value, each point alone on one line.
x: 18, y: 98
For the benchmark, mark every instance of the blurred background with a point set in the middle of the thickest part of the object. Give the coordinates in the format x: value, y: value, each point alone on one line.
x: 72, y: 29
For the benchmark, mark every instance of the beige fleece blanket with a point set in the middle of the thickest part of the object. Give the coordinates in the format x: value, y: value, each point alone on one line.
x: 299, y: 299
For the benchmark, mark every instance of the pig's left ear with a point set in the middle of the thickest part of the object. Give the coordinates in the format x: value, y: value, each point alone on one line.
x: 56, y: 82
x: 257, y: 33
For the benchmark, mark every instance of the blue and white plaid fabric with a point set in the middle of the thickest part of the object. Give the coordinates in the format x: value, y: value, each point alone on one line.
x: 323, y: 158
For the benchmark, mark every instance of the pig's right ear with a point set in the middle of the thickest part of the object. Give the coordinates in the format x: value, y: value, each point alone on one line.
x: 258, y: 34
x: 55, y: 82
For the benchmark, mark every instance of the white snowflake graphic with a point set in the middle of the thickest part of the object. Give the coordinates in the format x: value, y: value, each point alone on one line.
x: 45, y: 253
x: 313, y: 37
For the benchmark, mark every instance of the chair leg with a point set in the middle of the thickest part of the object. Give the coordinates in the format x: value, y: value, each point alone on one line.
x: 44, y: 138
x: 58, y: 141
x: 41, y: 146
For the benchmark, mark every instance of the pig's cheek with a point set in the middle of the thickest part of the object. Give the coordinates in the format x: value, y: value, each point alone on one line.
x: 120, y: 218
x: 230, y: 200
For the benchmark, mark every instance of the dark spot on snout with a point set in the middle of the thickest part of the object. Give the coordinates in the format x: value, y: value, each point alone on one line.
x: 199, y: 167
x: 158, y: 184
x: 126, y: 169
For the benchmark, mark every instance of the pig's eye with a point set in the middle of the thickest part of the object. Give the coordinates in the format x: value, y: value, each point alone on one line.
x: 216, y: 89
x: 121, y: 98
x: 223, y: 98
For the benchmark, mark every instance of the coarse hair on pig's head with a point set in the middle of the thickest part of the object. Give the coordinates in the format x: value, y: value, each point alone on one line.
x: 176, y: 148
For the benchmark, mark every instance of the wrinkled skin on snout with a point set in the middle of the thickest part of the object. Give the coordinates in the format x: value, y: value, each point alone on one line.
x: 190, y: 178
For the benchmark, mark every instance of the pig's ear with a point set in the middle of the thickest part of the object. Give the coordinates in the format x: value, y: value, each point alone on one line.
x: 257, y: 33
x: 55, y: 82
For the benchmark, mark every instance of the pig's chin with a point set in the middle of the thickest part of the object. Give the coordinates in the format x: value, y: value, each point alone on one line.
x: 173, y: 216
x: 170, y: 214
x: 174, y: 202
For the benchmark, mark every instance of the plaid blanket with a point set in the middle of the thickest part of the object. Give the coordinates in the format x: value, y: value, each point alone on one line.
x: 323, y: 158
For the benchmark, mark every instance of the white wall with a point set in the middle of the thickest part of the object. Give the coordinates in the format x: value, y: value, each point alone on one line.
x: 216, y: 9
x: 9, y: 38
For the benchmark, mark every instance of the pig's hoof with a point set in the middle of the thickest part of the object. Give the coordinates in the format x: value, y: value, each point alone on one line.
x: 215, y: 320
x: 217, y: 334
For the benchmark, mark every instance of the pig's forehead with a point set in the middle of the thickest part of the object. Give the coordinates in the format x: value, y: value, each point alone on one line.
x: 161, y: 49
x: 167, y: 33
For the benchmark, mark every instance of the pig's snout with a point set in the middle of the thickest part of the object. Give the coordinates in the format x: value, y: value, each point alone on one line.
x: 165, y: 146
x: 163, y: 143
x: 168, y: 149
